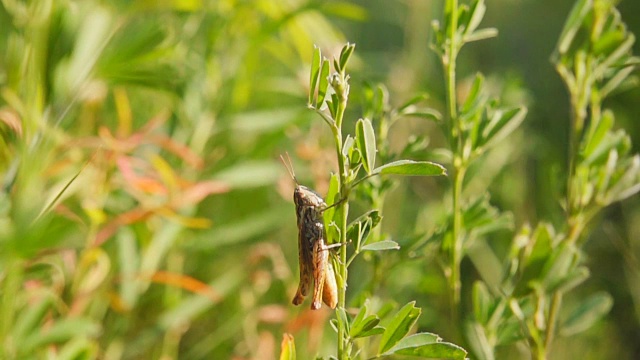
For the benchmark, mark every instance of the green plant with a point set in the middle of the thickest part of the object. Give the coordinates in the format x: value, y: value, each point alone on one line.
x: 472, y: 127
x: 543, y: 266
x: 356, y: 154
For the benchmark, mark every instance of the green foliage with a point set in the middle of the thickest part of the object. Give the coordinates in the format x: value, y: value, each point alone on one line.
x: 358, y: 231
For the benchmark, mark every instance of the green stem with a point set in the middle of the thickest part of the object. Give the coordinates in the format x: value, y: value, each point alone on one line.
x: 343, y: 209
x: 454, y: 133
x: 456, y: 249
x: 576, y: 221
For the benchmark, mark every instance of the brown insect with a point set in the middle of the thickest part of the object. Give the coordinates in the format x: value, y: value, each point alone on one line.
x: 313, y: 253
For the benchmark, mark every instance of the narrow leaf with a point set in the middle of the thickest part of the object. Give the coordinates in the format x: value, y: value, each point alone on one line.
x: 413, y: 101
x: 504, y: 125
x: 481, y: 34
x: 315, y: 75
x: 330, y: 199
x: 441, y: 350
x: 366, y: 141
x: 399, y: 326
x: 363, y: 225
x: 478, y: 9
x: 377, y: 330
x: 571, y: 27
x: 478, y: 341
x: 482, y: 302
x: 365, y: 327
x: 323, y: 83
x: 587, y: 313
x: 381, y: 245
x: 415, y: 340
x: 356, y: 323
x: 345, y: 54
x: 411, y: 168
x: 343, y: 319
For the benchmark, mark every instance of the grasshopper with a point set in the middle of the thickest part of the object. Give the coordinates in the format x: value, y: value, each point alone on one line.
x: 313, y: 253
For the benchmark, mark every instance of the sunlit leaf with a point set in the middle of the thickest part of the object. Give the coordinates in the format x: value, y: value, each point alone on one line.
x: 366, y: 140
x: 314, y: 75
x: 399, y: 326
x: 323, y: 84
x: 411, y: 168
x: 381, y: 245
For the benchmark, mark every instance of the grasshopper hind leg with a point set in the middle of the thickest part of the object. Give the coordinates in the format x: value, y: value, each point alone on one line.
x: 305, y: 279
x: 320, y: 265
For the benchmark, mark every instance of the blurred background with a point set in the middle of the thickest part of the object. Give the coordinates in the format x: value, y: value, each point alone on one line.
x: 144, y: 212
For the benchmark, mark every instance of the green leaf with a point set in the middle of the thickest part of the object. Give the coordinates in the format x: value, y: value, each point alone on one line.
x: 427, y: 345
x: 413, y: 101
x: 362, y: 325
x: 345, y: 54
x: 323, y: 83
x: 616, y: 81
x: 502, y: 124
x: 381, y: 99
x: 628, y: 184
x: 356, y: 323
x: 616, y: 55
x: 333, y: 105
x: 315, y: 75
x: 560, y: 262
x: 598, y: 130
x: 571, y: 280
x: 399, y: 326
x: 381, y: 245
x: 482, y: 302
x: 441, y: 350
x: 347, y: 147
x: 61, y: 331
x: 477, y: 11
x: 377, y: 330
x: 478, y: 341
x: 343, y: 319
x: 29, y: 320
x: 411, y: 168
x: 481, y: 34
x: 587, y: 313
x: 573, y: 24
x: 422, y: 112
x: 473, y: 98
x: 366, y: 141
x: 363, y: 225
x: 331, y: 199
x: 415, y: 340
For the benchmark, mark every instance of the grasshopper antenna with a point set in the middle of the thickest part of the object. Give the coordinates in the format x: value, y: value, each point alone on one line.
x: 289, y: 166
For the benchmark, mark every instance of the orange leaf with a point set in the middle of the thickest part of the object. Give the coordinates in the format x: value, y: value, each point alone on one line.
x: 186, y: 282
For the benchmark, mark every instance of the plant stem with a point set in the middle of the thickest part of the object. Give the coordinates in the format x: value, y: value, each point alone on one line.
x: 343, y: 209
x: 456, y: 249
x: 575, y: 219
x: 454, y: 132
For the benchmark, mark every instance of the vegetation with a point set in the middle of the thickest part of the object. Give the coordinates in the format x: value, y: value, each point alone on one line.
x: 481, y: 208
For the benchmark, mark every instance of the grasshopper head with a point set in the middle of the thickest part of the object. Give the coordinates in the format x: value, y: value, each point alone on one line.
x: 303, y: 196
